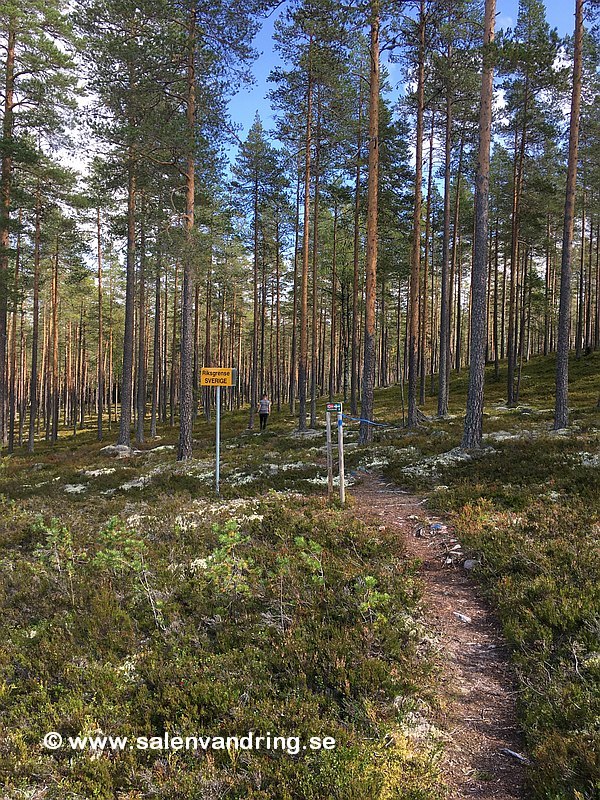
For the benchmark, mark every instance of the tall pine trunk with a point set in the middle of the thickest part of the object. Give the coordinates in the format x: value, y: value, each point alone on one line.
x: 315, y: 262
x: 127, y: 376
x: 293, y: 364
x: 423, y: 344
x: 278, y: 366
x: 366, y: 411
x: 100, y: 387
x: 303, y: 359
x: 140, y: 400
x: 518, y: 178
x: 444, y: 370
x: 474, y: 416
x: 55, y: 397
x: 332, y: 340
x: 12, y: 387
x: 186, y: 404
x: 156, y: 355
x: 33, y: 386
x: 356, y: 264
x: 5, y: 196
x: 415, y: 261
x: 561, y: 411
x: 255, y: 313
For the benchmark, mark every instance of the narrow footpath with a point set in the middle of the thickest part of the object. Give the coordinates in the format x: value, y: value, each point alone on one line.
x: 477, y: 709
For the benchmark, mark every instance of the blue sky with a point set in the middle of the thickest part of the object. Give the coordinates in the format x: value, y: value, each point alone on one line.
x: 248, y: 101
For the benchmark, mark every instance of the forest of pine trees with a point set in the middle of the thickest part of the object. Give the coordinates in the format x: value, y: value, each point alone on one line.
x: 426, y: 202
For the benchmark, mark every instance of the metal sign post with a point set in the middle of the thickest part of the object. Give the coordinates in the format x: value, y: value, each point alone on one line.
x: 337, y: 409
x: 340, y: 422
x: 218, y: 377
x: 329, y: 458
x: 218, y: 441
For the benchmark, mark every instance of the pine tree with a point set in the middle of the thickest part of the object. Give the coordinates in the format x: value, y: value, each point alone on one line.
x: 258, y: 176
x: 38, y: 88
x: 413, y: 312
x: 366, y: 430
x: 474, y: 415
x: 120, y: 37
x: 529, y: 58
x: 216, y: 49
x: 561, y: 412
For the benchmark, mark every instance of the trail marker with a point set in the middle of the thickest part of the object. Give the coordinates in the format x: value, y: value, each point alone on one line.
x: 217, y: 377
x: 340, y: 422
x: 329, y: 455
x: 335, y: 408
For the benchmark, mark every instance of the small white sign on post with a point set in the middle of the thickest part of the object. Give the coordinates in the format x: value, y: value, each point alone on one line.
x: 335, y: 408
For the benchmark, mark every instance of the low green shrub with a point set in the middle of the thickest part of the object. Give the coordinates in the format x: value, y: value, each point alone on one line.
x: 294, y: 619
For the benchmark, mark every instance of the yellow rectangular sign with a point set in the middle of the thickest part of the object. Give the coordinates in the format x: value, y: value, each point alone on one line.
x: 216, y: 376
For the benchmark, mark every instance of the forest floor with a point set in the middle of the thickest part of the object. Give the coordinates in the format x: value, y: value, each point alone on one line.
x: 134, y: 601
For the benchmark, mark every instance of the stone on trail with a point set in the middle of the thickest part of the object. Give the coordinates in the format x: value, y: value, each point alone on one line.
x: 517, y: 756
x: 75, y: 488
x: 96, y: 473
x: 119, y: 451
x: 462, y: 617
x: 310, y: 433
x: 470, y: 563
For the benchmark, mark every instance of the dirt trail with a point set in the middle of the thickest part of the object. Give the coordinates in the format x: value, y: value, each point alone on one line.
x: 477, y: 683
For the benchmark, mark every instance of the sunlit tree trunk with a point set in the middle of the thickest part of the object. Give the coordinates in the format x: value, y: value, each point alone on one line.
x: 100, y: 365
x: 561, y: 412
x: 294, y: 344
x: 156, y: 354
x: 140, y: 401
x: 474, y: 416
x: 55, y: 391
x: 127, y: 375
x: 315, y: 262
x: 333, y: 331
x: 12, y: 387
x: 303, y: 359
x: 255, y: 312
x: 445, y: 277
x: 423, y: 344
x: 366, y: 411
x: 5, y: 198
x: 186, y: 405
x: 356, y: 265
x: 173, y: 371
x: 415, y: 260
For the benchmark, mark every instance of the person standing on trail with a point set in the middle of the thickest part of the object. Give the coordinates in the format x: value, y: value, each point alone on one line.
x: 264, y: 409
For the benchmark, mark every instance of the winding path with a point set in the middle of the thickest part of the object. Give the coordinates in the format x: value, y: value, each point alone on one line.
x: 477, y: 709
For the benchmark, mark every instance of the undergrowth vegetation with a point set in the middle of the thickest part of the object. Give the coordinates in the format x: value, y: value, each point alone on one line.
x: 135, y: 602
x: 528, y: 510
x: 141, y: 604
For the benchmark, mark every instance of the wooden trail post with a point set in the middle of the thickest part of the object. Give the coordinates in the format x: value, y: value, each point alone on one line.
x: 329, y: 457
x: 340, y: 422
x: 335, y: 408
x: 218, y: 377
